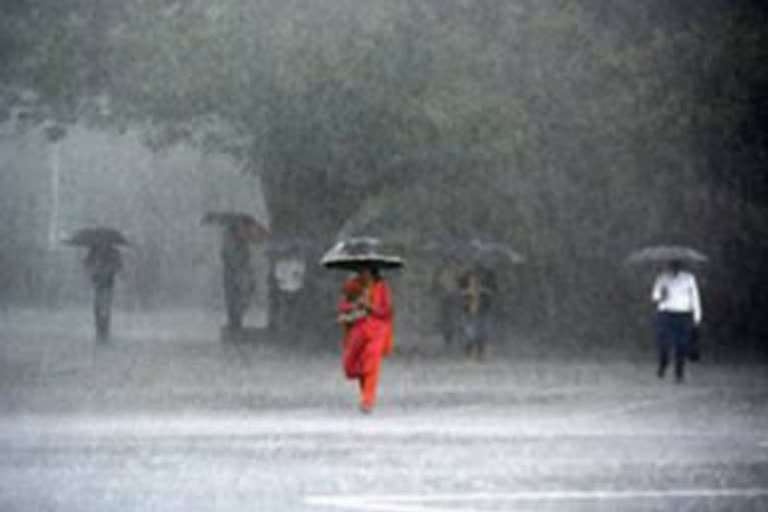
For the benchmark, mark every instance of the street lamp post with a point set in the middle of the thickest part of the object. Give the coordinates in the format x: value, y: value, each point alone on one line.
x: 53, y: 219
x: 54, y: 133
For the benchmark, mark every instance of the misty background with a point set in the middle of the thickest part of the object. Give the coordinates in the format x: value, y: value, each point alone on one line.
x: 570, y: 131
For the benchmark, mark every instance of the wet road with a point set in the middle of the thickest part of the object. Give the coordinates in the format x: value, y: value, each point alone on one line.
x: 188, y: 424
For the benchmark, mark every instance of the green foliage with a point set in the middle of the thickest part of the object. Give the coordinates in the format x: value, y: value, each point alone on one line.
x: 570, y: 130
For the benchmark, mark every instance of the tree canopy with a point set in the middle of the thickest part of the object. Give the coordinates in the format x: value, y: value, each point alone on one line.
x: 573, y: 130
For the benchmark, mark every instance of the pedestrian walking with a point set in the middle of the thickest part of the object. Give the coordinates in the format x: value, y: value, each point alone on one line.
x: 237, y: 275
x: 471, y: 307
x: 102, y: 263
x: 376, y: 335
x: 446, y: 287
x: 477, y: 287
x: 678, y: 313
x: 365, y: 347
x: 238, y: 230
x: 351, y: 316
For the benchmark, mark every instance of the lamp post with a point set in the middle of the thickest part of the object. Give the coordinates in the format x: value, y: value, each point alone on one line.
x: 53, y: 134
x: 53, y: 219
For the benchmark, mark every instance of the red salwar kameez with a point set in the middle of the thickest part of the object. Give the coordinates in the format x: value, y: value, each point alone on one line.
x: 367, y: 339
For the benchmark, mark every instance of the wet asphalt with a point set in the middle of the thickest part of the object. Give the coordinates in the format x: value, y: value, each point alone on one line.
x: 171, y: 419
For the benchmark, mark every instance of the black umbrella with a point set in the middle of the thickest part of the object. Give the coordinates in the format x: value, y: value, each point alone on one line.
x: 354, y: 253
x: 256, y: 230
x: 97, y: 236
x: 666, y: 253
x: 225, y: 218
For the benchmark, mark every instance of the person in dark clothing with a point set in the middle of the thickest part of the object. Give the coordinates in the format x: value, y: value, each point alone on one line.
x: 445, y: 285
x: 236, y: 273
x: 477, y: 288
x: 103, y: 262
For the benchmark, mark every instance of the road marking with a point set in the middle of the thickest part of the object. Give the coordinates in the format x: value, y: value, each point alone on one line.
x: 426, y: 502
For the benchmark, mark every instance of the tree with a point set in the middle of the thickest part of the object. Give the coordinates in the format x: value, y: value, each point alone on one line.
x: 571, y: 130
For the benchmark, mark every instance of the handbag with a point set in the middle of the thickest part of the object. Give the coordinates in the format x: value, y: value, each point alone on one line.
x: 694, y: 346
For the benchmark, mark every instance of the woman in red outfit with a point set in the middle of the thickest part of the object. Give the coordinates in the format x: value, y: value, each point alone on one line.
x: 369, y: 338
x: 352, y: 315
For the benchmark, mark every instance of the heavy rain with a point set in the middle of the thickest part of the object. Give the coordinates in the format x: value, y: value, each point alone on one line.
x: 395, y: 256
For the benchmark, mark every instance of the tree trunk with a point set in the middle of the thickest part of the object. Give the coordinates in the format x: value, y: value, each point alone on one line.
x: 307, y: 210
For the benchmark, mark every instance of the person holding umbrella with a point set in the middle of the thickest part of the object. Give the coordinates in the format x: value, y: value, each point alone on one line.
x: 377, y: 302
x: 365, y: 312
x: 678, y: 305
x: 238, y: 230
x: 351, y: 317
x: 470, y: 310
x: 237, y: 275
x: 477, y: 287
x: 102, y: 263
x: 445, y: 285
x: 370, y: 337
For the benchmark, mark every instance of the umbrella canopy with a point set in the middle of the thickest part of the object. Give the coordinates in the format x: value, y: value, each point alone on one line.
x: 292, y: 245
x: 225, y: 218
x: 353, y: 253
x: 97, y: 236
x: 666, y: 253
x: 477, y: 251
x: 495, y: 252
x: 255, y: 230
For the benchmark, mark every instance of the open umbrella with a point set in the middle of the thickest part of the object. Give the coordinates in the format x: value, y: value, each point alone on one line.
x: 665, y: 253
x: 281, y: 246
x: 97, y: 236
x: 353, y: 253
x: 475, y: 251
x: 255, y: 230
x: 494, y: 252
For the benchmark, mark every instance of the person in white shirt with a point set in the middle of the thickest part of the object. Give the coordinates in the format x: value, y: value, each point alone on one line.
x: 678, y: 312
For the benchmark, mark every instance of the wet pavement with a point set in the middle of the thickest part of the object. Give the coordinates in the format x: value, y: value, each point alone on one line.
x: 169, y: 418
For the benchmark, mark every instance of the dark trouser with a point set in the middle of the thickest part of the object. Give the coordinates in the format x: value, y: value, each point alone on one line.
x: 476, y: 331
x: 237, y: 295
x: 234, y: 299
x: 287, y: 311
x: 102, y: 307
x: 450, y: 317
x: 673, y: 334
